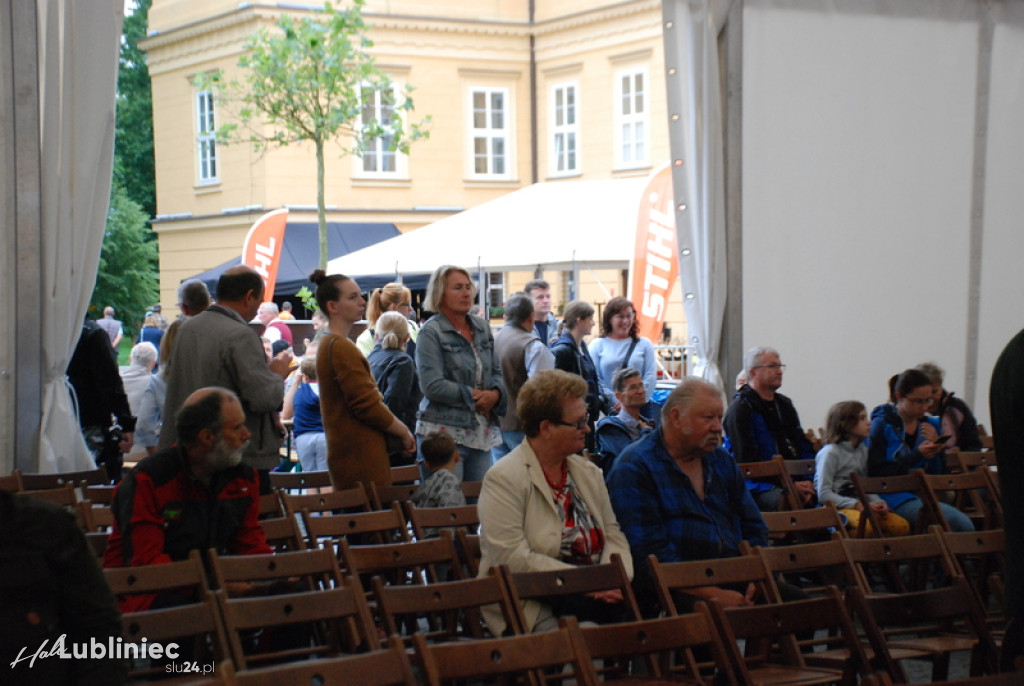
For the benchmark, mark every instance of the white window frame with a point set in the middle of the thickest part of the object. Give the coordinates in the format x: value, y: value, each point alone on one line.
x: 490, y: 135
x: 377, y: 149
x: 495, y: 290
x: 564, y: 157
x: 206, y: 138
x: 631, y: 110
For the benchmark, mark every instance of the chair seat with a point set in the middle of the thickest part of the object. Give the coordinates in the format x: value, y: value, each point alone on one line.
x: 936, y: 645
x: 769, y: 675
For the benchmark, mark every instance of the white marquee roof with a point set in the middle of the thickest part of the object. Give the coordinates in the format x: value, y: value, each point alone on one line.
x: 547, y: 224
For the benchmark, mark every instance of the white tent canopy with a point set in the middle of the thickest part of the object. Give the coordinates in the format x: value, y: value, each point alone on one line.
x: 550, y: 225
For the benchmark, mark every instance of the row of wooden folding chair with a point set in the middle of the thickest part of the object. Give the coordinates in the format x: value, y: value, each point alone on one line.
x: 974, y: 493
x: 856, y: 564
x: 291, y: 481
x: 329, y: 611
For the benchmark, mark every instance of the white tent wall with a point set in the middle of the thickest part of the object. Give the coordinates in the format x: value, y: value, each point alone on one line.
x: 58, y: 82
x: 858, y: 176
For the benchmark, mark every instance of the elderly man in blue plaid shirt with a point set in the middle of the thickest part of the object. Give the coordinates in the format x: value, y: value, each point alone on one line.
x: 678, y: 495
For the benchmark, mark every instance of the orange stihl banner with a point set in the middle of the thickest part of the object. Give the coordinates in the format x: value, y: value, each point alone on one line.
x: 655, y: 262
x: 262, y: 248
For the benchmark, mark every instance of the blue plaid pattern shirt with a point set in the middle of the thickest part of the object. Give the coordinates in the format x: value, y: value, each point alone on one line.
x: 661, y: 515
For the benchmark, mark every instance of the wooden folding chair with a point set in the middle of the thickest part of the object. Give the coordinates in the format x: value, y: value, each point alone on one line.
x: 930, y: 622
x: 195, y: 627
x: 900, y: 564
x: 801, y: 470
x: 673, y: 578
x: 981, y: 556
x: 95, y: 518
x: 444, y: 611
x: 311, y: 570
x: 427, y: 522
x: 270, y: 506
x: 468, y: 547
x: 823, y: 521
x: 972, y: 495
x: 11, y: 482
x: 99, y: 495
x: 526, y: 657
x: 378, y: 526
x: 382, y: 497
x: 471, y: 489
x: 387, y: 667
x: 40, y: 482
x: 409, y: 473
x: 882, y: 485
x: 414, y: 562
x: 550, y: 586
x: 345, y: 501
x: 319, y: 623
x: 773, y: 655
x: 811, y: 566
x: 773, y: 471
x: 667, y: 646
x: 294, y: 481
x: 283, y: 534
x: 814, y: 567
x: 970, y: 461
x: 65, y: 496
x: 187, y: 577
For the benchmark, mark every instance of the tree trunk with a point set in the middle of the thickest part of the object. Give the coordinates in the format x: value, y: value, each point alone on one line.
x: 321, y: 212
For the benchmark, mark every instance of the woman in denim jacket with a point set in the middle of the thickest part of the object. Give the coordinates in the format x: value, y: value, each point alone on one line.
x: 463, y: 391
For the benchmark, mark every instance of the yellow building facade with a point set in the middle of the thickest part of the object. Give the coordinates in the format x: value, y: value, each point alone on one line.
x: 575, y: 92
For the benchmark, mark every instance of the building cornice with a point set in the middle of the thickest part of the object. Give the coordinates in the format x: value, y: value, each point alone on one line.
x: 230, y: 22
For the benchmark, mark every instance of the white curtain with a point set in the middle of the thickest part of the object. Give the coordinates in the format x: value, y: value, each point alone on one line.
x: 691, y: 49
x: 78, y: 54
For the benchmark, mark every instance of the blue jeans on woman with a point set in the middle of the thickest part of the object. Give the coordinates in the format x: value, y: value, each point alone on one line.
x: 472, y: 466
x: 957, y: 519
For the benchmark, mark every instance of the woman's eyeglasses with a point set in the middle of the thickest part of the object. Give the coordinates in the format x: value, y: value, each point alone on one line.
x: 579, y: 426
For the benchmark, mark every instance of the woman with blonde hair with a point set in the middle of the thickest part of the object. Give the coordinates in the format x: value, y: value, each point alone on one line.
x: 395, y: 372
x: 392, y: 297
x: 460, y: 375
x: 355, y: 418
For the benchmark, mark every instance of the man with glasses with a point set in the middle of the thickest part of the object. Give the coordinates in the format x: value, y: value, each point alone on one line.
x: 618, y: 430
x: 761, y: 423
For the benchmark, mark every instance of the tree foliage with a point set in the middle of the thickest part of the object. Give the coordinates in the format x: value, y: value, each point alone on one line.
x: 304, y: 82
x: 126, y: 278
x: 133, y: 142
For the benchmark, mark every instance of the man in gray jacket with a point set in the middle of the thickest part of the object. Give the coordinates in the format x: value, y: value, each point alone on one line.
x: 218, y: 348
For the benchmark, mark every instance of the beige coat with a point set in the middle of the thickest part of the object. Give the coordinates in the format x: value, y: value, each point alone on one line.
x: 520, y: 525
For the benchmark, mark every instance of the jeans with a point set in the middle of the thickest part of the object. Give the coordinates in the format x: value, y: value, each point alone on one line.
x: 472, y: 466
x: 957, y: 519
x: 311, y: 447
x: 509, y: 441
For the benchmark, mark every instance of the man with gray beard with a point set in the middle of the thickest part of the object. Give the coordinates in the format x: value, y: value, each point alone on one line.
x: 192, y: 496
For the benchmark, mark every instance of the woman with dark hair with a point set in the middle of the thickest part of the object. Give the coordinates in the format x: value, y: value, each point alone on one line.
x: 355, y: 418
x: 571, y: 355
x: 460, y: 375
x: 620, y: 346
x: 903, y: 438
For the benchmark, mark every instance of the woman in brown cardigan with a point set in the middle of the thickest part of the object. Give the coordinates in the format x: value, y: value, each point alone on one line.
x: 355, y: 416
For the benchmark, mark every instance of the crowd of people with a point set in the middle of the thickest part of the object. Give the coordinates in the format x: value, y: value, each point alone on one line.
x: 577, y: 462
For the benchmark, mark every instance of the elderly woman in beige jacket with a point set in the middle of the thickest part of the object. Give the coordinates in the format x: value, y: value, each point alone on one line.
x: 544, y: 507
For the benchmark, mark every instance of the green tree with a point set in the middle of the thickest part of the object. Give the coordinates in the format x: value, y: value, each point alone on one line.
x: 306, y: 81
x: 133, y: 139
x: 126, y: 277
